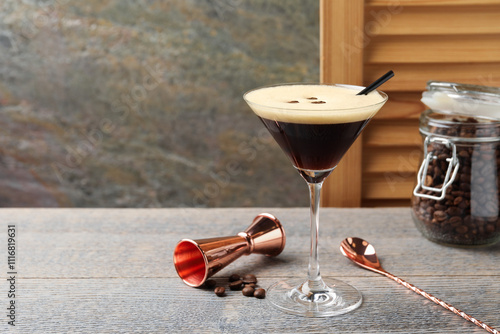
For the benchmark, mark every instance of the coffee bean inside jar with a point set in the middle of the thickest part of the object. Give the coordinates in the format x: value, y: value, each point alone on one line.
x: 456, y: 200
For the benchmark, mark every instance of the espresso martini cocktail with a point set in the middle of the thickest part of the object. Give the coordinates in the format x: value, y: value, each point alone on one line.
x: 314, y: 124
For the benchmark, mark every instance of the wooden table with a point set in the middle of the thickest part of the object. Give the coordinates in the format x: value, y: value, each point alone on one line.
x: 111, y: 271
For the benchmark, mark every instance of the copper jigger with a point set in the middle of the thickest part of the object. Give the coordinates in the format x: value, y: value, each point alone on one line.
x: 197, y: 260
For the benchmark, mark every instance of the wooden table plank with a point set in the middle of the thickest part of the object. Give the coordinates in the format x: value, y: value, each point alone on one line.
x: 111, y: 271
x: 162, y: 305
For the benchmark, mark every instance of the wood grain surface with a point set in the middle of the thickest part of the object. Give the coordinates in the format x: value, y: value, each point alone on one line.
x: 111, y: 271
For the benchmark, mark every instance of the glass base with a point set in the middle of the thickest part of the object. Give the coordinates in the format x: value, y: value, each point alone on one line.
x: 333, y: 298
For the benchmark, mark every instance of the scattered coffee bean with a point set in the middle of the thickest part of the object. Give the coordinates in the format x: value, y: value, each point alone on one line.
x: 318, y: 102
x: 259, y: 293
x: 247, y: 279
x: 210, y: 284
x: 312, y: 98
x: 236, y: 285
x: 234, y: 278
x: 248, y: 291
x: 294, y: 101
x: 247, y: 284
x: 220, y: 291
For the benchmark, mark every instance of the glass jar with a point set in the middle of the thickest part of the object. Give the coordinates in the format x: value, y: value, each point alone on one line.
x: 456, y: 199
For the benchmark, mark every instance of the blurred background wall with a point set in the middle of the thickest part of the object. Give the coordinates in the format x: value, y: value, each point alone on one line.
x: 121, y: 103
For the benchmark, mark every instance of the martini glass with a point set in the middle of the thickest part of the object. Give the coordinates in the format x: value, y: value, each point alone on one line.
x: 314, y: 124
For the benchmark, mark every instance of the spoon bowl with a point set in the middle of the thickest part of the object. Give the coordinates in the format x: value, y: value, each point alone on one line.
x: 362, y: 253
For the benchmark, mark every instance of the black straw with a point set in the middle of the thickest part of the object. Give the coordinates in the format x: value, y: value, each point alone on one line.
x: 377, y: 83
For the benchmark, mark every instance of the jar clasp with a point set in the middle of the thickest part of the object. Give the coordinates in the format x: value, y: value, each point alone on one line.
x: 451, y: 171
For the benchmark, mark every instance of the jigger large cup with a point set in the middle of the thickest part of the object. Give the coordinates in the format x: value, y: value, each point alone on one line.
x: 197, y: 260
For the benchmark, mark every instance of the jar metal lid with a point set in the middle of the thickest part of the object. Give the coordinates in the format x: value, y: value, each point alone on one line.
x: 463, y: 99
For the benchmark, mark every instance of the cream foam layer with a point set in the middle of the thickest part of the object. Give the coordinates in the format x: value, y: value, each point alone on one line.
x: 341, y: 104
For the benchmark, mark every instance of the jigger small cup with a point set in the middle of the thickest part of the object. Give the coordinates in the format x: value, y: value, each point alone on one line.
x: 197, y: 260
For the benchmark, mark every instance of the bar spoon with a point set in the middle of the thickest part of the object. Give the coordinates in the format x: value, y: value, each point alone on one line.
x: 363, y: 254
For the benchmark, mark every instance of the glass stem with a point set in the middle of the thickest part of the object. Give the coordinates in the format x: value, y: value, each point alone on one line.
x: 314, y: 276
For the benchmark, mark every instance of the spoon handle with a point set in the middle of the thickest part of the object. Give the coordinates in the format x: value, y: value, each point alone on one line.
x: 442, y: 303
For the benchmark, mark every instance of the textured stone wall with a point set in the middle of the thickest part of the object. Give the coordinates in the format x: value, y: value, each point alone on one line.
x: 121, y: 103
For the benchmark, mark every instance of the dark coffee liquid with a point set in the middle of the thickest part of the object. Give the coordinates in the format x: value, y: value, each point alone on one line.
x: 314, y: 146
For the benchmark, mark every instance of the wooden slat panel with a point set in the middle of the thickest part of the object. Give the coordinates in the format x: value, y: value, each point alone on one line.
x: 388, y: 186
x: 413, y: 77
x: 421, y: 40
x: 433, y: 49
x: 405, y: 21
x: 434, y: 3
x: 340, y: 21
x: 386, y: 203
x: 392, y: 134
x: 402, y: 160
x: 402, y: 106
